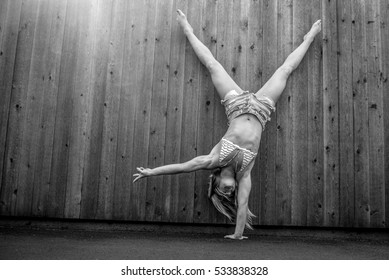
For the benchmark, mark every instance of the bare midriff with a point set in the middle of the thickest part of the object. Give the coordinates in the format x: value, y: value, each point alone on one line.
x: 245, y: 131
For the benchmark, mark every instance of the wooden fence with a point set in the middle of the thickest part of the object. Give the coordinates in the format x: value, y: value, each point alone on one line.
x: 92, y: 89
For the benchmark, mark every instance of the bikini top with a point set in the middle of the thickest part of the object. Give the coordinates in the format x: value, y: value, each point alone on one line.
x: 231, y: 152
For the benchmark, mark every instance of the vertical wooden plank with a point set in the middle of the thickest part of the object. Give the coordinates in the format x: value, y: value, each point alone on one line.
x: 315, y: 130
x: 62, y: 133
x: 50, y: 71
x: 361, y: 140
x: 8, y: 50
x: 143, y: 92
x: 254, y: 82
x: 190, y: 105
x: 346, y: 140
x: 31, y: 123
x: 97, y: 91
x: 124, y: 163
x: 376, y: 126
x: 80, y: 100
x: 175, y: 98
x: 19, y: 101
x: 208, y: 100
x: 5, y: 105
x: 3, y: 18
x: 111, y: 111
x: 283, y: 117
x: 330, y: 114
x: 299, y: 106
x: 384, y: 8
x: 157, y: 138
x: 266, y: 162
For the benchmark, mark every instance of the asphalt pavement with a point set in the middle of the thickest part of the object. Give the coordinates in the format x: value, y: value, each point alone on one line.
x: 21, y: 243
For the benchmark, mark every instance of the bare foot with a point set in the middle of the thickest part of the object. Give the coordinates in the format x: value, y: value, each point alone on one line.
x: 183, y: 22
x: 315, y: 29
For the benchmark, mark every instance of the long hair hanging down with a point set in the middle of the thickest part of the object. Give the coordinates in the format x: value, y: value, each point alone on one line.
x: 226, y: 204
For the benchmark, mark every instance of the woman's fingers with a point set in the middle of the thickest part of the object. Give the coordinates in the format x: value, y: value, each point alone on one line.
x: 137, y: 177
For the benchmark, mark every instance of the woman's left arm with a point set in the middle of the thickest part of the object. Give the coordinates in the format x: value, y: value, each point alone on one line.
x: 197, y: 163
x: 209, y: 161
x: 243, y: 199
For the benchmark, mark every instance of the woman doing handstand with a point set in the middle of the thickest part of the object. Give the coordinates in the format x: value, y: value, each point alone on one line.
x: 247, y: 113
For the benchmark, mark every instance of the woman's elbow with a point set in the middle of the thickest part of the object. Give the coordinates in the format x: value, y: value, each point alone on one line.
x: 208, y: 162
x: 204, y: 162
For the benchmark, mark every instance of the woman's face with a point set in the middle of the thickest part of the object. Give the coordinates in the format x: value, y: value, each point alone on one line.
x: 227, y: 184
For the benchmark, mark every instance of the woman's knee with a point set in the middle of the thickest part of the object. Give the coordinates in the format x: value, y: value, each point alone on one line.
x: 213, y: 65
x: 285, y: 70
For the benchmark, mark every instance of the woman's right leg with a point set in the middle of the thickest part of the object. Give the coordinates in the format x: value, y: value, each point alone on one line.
x: 220, y: 78
x: 276, y: 84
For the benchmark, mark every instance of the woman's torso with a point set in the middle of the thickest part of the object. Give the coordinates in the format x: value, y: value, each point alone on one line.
x: 247, y: 115
x: 244, y: 129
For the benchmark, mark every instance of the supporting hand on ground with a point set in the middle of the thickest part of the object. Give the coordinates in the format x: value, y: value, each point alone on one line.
x: 233, y: 236
x: 143, y: 172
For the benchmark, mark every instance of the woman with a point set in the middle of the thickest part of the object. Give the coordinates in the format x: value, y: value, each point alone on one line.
x: 247, y: 113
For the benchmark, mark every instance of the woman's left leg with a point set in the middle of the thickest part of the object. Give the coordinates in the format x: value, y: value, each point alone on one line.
x: 276, y: 84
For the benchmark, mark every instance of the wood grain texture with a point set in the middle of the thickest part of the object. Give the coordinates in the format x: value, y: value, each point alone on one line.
x: 315, y: 184
x: 51, y: 72
x: 375, y: 116
x: 95, y: 109
x: 92, y: 89
x: 155, y: 188
x: 266, y: 158
x: 190, y: 107
x: 299, y: 107
x: 34, y: 105
x: 144, y: 90
x: 208, y: 100
x: 361, y: 141
x: 111, y: 110
x: 17, y: 140
x: 8, y: 50
x: 346, y: 112
x: 81, y: 98
x: 384, y: 39
x: 330, y: 114
x: 283, y: 164
x: 126, y: 110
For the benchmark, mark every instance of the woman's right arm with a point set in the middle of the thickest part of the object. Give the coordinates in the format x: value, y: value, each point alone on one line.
x: 197, y: 163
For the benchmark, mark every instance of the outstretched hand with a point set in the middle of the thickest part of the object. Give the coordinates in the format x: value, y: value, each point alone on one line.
x: 143, y: 172
x: 235, y: 237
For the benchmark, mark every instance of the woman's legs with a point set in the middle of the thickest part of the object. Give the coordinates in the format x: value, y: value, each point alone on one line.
x: 276, y: 84
x: 220, y: 78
